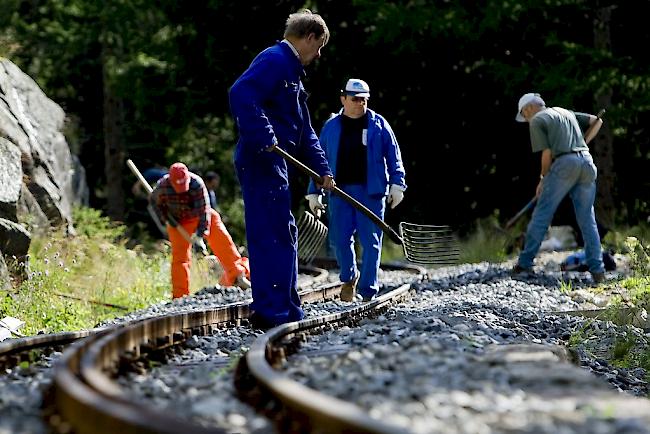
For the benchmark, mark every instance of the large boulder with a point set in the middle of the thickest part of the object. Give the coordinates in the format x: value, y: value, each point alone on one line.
x: 40, y: 179
x: 34, y: 154
x: 11, y: 174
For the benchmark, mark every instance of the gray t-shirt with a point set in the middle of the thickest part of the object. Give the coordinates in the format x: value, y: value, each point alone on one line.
x: 559, y: 130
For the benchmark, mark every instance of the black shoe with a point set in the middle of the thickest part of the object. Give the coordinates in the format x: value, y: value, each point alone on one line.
x: 519, y: 270
x: 367, y: 298
x: 258, y: 322
x: 598, y: 277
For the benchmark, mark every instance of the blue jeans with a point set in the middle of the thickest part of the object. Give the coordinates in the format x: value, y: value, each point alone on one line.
x: 573, y: 174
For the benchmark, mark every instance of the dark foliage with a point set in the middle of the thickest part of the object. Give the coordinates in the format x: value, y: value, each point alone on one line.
x: 447, y: 76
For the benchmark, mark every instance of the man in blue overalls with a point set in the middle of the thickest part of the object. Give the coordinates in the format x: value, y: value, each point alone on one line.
x: 363, y: 152
x: 268, y: 103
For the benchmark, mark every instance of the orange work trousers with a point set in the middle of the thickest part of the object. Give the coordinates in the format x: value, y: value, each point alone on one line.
x: 221, y: 244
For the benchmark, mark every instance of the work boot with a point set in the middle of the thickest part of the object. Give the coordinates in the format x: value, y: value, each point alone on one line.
x: 519, y: 270
x: 258, y: 322
x: 598, y: 277
x: 349, y: 289
x: 242, y: 282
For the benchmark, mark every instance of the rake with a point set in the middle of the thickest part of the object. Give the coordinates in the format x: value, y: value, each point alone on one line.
x: 311, y: 235
x: 422, y: 244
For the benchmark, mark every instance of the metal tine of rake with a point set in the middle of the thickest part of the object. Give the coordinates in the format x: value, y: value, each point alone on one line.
x: 317, y: 242
x: 311, y: 235
x: 442, y: 255
x: 306, y: 247
x: 429, y: 244
x: 303, y: 234
x: 307, y: 232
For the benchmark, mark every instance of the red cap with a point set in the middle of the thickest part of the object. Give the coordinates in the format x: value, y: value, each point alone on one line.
x: 179, y: 177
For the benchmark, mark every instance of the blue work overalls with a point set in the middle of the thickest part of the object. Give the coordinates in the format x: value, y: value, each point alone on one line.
x: 384, y: 167
x: 268, y: 103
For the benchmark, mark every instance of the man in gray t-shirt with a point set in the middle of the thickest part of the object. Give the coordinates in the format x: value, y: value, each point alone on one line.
x: 566, y: 169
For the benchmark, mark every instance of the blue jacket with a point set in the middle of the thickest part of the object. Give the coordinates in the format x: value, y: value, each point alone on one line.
x: 385, y: 165
x: 269, y: 104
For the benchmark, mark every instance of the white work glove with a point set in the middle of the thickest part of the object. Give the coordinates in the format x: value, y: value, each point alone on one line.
x: 199, y: 244
x: 315, y: 204
x: 395, y: 195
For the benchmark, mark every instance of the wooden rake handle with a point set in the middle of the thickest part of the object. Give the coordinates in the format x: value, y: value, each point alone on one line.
x: 521, y: 212
x: 149, y: 190
x: 352, y: 201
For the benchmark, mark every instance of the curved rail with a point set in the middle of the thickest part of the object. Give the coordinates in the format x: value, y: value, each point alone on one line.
x: 87, y: 399
x: 316, y: 411
x: 13, y: 351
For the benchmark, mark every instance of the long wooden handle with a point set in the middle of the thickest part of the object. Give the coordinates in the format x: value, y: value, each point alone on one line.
x: 599, y: 116
x: 352, y: 201
x: 521, y: 212
x: 147, y: 187
x: 138, y: 175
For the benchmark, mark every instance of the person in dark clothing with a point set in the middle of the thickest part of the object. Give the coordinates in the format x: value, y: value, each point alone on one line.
x: 142, y: 209
x: 212, y: 181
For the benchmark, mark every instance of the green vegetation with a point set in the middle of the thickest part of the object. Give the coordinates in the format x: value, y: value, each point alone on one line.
x: 621, y: 351
x: 164, y: 69
x: 487, y: 242
x: 630, y: 350
x: 579, y: 335
x: 94, y: 265
x: 566, y: 287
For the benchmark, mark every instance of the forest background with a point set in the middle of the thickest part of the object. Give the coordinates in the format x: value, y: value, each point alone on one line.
x: 148, y: 80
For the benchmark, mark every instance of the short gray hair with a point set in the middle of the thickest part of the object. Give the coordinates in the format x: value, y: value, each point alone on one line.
x: 304, y: 22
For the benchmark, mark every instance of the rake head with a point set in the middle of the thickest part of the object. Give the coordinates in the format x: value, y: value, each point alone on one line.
x: 311, y: 235
x: 429, y: 244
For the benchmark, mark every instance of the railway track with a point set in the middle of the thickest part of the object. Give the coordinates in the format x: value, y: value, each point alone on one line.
x: 14, y: 351
x: 473, y: 351
x: 86, y: 399
x: 299, y: 408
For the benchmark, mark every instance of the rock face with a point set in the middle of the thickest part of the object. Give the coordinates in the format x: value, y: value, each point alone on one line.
x: 40, y: 179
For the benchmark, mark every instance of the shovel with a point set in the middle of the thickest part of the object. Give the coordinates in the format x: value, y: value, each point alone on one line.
x: 211, y: 260
x: 422, y: 244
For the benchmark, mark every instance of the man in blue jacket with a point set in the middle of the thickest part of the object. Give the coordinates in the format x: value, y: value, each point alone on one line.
x: 366, y: 160
x: 268, y: 103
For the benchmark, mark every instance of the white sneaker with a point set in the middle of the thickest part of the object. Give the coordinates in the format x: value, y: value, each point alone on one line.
x: 242, y: 282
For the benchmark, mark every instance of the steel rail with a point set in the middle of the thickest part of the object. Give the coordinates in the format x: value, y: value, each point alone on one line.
x: 315, y: 412
x: 85, y: 396
x: 13, y: 351
x: 90, y: 402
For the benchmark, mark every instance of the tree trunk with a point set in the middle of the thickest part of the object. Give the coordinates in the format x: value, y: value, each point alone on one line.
x: 113, y: 143
x: 603, y: 144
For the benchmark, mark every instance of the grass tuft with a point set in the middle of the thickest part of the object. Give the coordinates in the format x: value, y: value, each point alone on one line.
x: 94, y: 265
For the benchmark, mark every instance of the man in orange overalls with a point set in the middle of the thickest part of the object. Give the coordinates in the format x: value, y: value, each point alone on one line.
x: 180, y: 198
